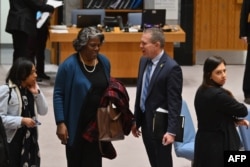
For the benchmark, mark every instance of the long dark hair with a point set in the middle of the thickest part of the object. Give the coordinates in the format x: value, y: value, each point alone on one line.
x: 19, y: 71
x: 210, y: 64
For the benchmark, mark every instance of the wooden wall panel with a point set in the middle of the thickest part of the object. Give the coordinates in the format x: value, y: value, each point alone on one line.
x: 216, y: 25
x: 222, y: 24
x: 214, y: 14
x: 239, y: 1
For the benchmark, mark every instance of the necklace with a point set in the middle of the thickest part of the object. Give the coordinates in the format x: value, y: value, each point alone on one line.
x: 84, y: 66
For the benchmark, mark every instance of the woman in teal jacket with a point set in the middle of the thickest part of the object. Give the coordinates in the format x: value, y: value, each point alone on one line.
x: 80, y: 82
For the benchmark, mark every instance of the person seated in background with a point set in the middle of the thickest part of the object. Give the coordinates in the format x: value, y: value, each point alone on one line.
x: 218, y: 113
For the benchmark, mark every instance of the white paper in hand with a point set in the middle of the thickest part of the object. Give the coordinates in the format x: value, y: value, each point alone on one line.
x: 45, y: 15
x: 54, y: 3
x: 43, y: 18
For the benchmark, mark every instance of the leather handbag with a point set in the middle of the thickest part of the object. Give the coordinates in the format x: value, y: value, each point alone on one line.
x: 109, y: 122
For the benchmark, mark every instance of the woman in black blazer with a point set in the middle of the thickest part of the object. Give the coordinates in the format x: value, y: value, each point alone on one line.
x: 218, y: 115
x: 21, y: 23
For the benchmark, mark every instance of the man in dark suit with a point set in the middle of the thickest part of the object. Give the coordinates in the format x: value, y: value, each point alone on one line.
x: 164, y: 91
x: 245, y: 36
x: 21, y: 23
x: 37, y: 47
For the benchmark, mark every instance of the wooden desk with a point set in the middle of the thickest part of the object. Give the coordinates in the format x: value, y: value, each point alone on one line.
x: 122, y: 49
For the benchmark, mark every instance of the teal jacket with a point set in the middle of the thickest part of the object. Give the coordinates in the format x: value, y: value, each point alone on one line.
x: 70, y: 92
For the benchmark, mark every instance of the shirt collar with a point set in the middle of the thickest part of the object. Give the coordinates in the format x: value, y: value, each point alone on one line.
x: 157, y: 58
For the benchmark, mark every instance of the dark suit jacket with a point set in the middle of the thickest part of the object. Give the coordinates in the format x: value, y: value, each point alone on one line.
x: 216, y: 111
x: 22, y: 15
x: 164, y: 91
x: 245, y: 19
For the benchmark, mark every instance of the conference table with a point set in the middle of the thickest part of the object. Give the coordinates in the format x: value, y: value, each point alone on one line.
x: 121, y: 48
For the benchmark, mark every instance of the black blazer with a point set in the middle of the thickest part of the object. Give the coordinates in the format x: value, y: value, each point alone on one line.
x: 245, y: 19
x: 164, y: 91
x: 216, y: 111
x: 22, y: 15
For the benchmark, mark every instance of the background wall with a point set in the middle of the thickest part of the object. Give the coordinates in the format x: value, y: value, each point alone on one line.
x: 68, y: 6
x: 216, y: 31
x: 4, y: 8
x: 148, y: 4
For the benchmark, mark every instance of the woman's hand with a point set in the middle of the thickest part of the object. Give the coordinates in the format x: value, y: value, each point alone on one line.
x: 34, y: 89
x: 62, y: 133
x: 243, y: 122
x: 29, y: 122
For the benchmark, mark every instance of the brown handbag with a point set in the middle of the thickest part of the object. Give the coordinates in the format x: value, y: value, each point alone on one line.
x: 109, y: 123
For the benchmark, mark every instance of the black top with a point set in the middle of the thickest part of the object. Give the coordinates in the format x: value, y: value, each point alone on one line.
x: 99, y: 84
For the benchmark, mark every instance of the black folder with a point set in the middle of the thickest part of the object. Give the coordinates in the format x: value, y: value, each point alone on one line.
x: 160, y: 126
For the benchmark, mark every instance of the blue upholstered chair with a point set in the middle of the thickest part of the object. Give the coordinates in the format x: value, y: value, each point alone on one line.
x: 245, y: 134
x: 76, y: 12
x: 134, y: 19
x: 185, y: 149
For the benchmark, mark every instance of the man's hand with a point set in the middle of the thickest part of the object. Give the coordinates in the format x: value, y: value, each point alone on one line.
x: 167, y: 139
x: 135, y: 131
x: 244, y: 39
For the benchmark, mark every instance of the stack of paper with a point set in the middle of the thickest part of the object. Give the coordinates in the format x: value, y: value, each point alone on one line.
x: 54, y: 3
x: 59, y: 29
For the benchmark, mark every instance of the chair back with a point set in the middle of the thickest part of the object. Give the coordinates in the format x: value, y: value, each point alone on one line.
x: 185, y: 149
x: 76, y: 12
x: 245, y: 134
x: 134, y: 19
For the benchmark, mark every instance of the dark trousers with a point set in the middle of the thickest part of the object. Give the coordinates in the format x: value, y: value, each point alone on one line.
x: 15, y: 149
x: 20, y: 44
x: 246, y: 78
x: 37, y: 46
x: 84, y: 154
x: 158, y: 155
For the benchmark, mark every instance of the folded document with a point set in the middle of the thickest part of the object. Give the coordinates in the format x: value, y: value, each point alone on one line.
x: 160, y: 125
x: 43, y: 16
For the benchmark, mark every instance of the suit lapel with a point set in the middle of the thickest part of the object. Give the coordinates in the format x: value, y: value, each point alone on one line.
x: 141, y: 70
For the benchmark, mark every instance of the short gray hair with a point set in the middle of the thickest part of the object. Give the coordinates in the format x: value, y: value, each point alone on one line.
x: 84, y: 35
x: 157, y: 34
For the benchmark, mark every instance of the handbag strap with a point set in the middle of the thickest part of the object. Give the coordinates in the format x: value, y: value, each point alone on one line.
x: 110, y: 107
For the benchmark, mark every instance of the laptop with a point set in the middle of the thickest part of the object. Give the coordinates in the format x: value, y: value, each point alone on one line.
x: 84, y: 20
x: 153, y: 18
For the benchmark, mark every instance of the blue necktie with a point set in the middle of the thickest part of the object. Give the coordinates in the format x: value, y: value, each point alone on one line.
x: 145, y: 85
